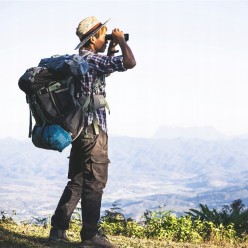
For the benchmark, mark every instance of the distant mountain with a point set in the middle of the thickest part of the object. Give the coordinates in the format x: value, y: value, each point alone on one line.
x: 144, y: 173
x: 204, y: 133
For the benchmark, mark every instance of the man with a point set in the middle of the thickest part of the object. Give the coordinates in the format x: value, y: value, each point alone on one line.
x: 88, y: 165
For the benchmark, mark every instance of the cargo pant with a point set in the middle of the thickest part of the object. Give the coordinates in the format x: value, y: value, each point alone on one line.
x: 88, y: 172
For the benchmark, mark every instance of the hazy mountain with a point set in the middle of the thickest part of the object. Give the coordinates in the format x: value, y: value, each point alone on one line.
x: 204, y: 133
x: 144, y: 173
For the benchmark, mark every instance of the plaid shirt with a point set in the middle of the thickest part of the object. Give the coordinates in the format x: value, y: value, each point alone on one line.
x: 100, y: 66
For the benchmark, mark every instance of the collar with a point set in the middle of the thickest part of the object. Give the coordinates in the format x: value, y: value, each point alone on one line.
x: 84, y: 49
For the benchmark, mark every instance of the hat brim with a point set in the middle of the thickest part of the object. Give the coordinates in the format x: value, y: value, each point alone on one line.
x: 91, y: 34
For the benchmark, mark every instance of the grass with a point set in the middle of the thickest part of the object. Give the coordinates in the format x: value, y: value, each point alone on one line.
x: 30, y: 236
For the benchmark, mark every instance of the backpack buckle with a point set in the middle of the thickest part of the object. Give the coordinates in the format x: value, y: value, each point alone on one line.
x: 53, y: 86
x: 42, y: 91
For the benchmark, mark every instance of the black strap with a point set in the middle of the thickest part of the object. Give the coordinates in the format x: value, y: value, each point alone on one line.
x: 89, y: 106
x: 30, y: 124
x: 95, y: 86
x: 31, y: 100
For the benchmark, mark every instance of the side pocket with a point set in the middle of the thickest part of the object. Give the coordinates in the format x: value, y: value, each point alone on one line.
x: 100, y: 170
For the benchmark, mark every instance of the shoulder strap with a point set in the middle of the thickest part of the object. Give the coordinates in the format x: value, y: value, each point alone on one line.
x: 90, y: 99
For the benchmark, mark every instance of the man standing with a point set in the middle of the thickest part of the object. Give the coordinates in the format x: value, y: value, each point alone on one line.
x: 88, y: 165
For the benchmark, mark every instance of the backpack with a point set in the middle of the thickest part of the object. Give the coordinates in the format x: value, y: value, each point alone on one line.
x: 49, y: 90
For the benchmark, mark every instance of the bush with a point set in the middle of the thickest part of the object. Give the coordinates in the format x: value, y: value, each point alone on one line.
x: 234, y: 216
x: 197, y: 226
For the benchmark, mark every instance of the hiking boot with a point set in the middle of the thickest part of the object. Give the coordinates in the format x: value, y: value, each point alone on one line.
x: 98, y: 241
x: 58, y: 235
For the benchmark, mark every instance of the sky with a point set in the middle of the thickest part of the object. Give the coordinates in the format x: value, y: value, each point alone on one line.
x: 192, y: 61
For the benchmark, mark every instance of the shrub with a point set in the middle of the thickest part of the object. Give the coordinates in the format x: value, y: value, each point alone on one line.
x: 234, y: 215
x: 197, y: 226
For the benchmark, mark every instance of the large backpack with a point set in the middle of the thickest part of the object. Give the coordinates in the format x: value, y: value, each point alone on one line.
x: 49, y: 90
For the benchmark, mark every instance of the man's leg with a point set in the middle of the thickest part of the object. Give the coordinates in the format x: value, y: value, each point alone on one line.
x: 93, y: 186
x: 95, y: 174
x: 80, y: 153
x: 67, y: 203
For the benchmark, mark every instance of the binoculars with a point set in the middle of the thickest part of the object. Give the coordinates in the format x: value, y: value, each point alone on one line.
x: 110, y: 37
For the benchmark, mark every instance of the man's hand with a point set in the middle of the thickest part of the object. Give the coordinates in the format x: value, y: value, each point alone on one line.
x: 128, y: 58
x: 111, y: 48
x: 118, y: 35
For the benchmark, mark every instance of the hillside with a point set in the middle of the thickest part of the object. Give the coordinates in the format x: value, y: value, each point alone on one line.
x: 144, y: 173
x: 29, y: 236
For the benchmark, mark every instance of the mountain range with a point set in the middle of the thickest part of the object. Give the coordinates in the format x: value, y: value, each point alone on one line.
x: 177, y: 172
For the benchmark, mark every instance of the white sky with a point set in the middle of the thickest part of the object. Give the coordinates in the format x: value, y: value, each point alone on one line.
x: 192, y: 61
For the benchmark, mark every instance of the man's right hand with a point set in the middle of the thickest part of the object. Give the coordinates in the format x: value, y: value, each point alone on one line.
x: 117, y: 35
x: 128, y: 58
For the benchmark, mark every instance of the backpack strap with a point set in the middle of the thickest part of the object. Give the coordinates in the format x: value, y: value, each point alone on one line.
x: 88, y: 105
x: 30, y: 124
x: 96, y: 85
x: 30, y: 118
x: 33, y: 105
x: 54, y: 85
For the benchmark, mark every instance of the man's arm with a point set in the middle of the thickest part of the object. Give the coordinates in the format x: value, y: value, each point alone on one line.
x: 128, y: 57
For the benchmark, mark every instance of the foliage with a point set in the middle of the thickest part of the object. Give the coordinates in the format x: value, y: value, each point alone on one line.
x: 234, y: 215
x: 157, y: 228
x: 162, y: 224
x: 6, y: 217
x: 30, y: 236
x: 115, y: 223
x: 205, y: 214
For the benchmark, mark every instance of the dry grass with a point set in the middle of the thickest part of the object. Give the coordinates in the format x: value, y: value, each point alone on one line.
x: 30, y: 236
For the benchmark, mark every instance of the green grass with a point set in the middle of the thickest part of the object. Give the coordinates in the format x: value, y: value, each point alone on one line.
x: 30, y: 236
